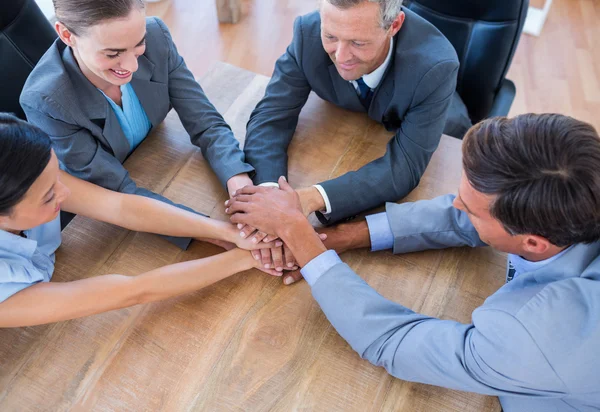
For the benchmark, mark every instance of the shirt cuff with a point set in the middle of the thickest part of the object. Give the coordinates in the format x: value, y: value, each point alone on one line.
x: 317, y: 267
x: 269, y: 184
x: 380, y: 232
x: 325, y: 198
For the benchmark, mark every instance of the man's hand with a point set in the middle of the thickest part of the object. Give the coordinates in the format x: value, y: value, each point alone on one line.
x: 279, y: 212
x: 267, y: 209
x: 233, y: 185
x: 229, y: 237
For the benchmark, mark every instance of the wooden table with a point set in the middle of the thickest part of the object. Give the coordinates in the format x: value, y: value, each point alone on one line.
x: 247, y: 343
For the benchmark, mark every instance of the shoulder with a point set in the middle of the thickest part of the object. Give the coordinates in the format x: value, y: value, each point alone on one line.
x: 308, y: 25
x: 159, y: 43
x: 49, y: 79
x: 423, y: 49
x: 16, y: 276
x: 157, y: 32
x: 558, y: 318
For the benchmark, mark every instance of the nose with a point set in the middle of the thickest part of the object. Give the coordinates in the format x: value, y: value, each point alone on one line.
x: 130, y: 62
x: 342, y: 53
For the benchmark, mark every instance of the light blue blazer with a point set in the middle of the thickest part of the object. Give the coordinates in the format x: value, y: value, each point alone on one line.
x: 535, y: 343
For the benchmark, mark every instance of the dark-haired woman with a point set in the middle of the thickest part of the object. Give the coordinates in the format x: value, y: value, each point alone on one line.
x: 32, y: 192
x: 111, y: 77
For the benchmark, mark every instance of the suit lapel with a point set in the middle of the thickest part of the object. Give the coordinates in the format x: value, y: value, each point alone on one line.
x: 345, y: 92
x: 382, y: 95
x: 153, y: 96
x: 95, y: 106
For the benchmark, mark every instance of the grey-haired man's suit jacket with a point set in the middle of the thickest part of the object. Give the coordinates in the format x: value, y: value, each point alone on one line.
x: 413, y: 100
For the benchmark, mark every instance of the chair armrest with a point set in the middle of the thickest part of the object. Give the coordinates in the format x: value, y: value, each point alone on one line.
x: 504, y: 99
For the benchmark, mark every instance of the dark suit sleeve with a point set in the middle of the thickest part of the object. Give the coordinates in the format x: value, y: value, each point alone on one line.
x: 394, y: 175
x: 81, y: 156
x: 274, y: 120
x: 206, y: 127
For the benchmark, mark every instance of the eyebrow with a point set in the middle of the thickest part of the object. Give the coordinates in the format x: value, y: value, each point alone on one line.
x: 465, y: 205
x: 124, y: 50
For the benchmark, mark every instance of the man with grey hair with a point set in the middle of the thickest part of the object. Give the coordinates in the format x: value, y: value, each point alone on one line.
x: 367, y: 56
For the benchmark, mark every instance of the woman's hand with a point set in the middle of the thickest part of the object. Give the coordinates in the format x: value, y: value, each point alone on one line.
x: 229, y: 236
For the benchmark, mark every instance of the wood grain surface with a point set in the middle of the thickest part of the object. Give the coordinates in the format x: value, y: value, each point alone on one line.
x: 247, y: 343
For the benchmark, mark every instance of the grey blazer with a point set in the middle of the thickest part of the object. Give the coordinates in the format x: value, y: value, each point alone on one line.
x: 412, y: 100
x: 535, y: 343
x: 86, y: 134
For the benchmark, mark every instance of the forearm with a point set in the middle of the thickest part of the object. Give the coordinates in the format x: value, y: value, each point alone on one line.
x: 148, y: 215
x: 54, y: 301
x: 192, y: 275
x: 301, y: 238
x: 347, y: 236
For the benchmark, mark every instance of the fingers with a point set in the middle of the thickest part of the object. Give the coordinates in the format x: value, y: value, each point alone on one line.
x: 292, y: 277
x: 270, y: 238
x: 249, y: 190
x: 239, y: 198
x: 290, y: 260
x: 271, y: 272
x: 265, y: 257
x: 236, y: 207
x: 247, y: 231
x: 256, y: 254
x: 258, y: 237
x: 284, y: 185
x: 239, y: 218
x: 322, y: 236
x: 277, y: 255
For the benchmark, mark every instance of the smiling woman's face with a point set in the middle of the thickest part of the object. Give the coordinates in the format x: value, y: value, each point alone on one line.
x: 107, y: 52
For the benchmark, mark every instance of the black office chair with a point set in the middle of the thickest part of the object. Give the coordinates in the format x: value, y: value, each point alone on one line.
x: 485, y: 34
x: 25, y: 35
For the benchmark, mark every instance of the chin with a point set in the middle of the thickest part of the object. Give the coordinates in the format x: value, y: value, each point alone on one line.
x: 349, y: 75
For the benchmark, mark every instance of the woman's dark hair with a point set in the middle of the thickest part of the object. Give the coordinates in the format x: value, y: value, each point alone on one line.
x: 25, y: 152
x: 78, y: 15
x: 544, y: 172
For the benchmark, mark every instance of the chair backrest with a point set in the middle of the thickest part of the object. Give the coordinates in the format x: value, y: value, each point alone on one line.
x: 25, y: 35
x: 485, y: 34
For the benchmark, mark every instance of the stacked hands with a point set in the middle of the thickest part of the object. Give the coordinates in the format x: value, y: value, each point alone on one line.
x: 261, y: 215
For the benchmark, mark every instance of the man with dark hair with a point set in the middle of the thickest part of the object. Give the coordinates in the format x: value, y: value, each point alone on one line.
x: 531, y: 188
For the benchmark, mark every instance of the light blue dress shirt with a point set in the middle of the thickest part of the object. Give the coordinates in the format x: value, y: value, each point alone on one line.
x: 132, y: 117
x: 27, y: 261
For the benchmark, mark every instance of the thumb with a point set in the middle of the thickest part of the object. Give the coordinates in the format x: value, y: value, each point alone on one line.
x: 284, y: 185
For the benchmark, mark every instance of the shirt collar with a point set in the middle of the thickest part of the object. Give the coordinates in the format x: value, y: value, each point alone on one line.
x: 374, y: 78
x: 523, y: 265
x: 16, y: 244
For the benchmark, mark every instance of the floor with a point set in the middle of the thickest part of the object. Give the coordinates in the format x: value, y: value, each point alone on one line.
x: 556, y: 72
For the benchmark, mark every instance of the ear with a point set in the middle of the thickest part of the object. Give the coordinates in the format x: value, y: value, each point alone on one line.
x: 397, y: 24
x: 536, y: 245
x: 65, y: 34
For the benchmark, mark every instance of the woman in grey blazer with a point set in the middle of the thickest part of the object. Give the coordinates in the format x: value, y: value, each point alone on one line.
x: 111, y: 77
